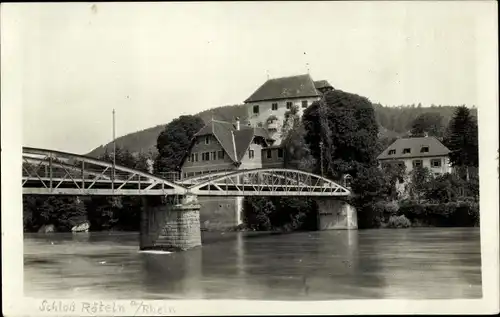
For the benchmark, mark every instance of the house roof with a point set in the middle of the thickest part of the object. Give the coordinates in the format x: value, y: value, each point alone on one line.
x: 322, y: 84
x: 436, y: 148
x: 234, y: 142
x: 285, y: 87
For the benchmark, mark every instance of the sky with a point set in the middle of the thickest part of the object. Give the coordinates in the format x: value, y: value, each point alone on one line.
x: 155, y: 61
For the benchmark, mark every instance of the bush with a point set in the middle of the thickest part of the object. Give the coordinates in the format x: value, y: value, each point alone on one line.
x: 391, y: 208
x: 452, y: 214
x: 398, y: 222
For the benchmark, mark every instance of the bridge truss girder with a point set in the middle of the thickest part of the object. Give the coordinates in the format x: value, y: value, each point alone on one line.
x: 47, y: 172
x: 265, y: 182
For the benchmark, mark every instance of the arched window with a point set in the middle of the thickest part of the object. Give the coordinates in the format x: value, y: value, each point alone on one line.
x: 347, y: 180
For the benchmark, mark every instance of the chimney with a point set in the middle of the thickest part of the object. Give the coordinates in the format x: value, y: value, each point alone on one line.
x: 237, y: 124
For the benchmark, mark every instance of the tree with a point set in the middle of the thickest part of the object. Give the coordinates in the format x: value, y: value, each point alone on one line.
x: 419, y: 182
x: 345, y: 124
x: 296, y: 150
x: 430, y: 123
x: 393, y: 174
x: 443, y: 189
x: 369, y: 188
x: 462, y: 141
x: 174, y: 141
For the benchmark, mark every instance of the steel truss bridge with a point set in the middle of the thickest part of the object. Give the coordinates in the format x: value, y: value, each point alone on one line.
x: 48, y: 172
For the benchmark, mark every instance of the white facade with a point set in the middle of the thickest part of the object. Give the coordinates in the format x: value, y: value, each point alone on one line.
x: 259, y: 112
x: 265, y: 109
x: 438, y: 165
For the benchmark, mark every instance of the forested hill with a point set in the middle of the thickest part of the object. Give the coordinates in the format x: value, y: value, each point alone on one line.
x: 393, y: 122
x: 399, y: 119
x: 145, y: 140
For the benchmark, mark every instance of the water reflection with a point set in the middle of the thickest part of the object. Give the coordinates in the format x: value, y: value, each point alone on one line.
x: 172, y: 274
x: 415, y: 263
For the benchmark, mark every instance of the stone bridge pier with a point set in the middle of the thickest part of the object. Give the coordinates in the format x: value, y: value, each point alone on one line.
x: 336, y: 214
x: 170, y: 224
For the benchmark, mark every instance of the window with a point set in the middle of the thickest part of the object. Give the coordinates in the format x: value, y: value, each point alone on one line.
x: 289, y: 104
x: 436, y: 163
x: 256, y: 109
x: 205, y: 156
x: 269, y: 154
x: 424, y: 149
x: 280, y: 153
x: 213, y: 156
x: 220, y: 155
x: 274, y: 106
x: 189, y: 158
x: 392, y: 152
x: 304, y: 103
x: 417, y: 163
x: 251, y: 154
x: 406, y: 151
x: 193, y: 157
x: 207, y: 139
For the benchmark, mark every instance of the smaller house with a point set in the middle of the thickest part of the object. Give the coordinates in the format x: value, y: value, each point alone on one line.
x: 224, y: 146
x: 413, y: 152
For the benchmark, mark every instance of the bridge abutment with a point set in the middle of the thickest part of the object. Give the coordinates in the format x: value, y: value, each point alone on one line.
x: 336, y: 215
x: 170, y: 226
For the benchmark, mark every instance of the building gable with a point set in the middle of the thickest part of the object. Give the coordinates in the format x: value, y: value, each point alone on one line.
x: 414, y: 147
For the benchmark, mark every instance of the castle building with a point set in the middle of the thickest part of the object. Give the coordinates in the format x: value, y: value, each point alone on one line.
x: 267, y: 106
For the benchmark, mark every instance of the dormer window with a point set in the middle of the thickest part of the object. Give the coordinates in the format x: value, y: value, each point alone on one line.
x: 407, y: 151
x: 392, y: 152
x: 207, y: 139
x: 424, y: 149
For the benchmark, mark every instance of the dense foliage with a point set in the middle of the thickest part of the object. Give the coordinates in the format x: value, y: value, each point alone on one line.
x: 174, y: 141
x: 279, y: 214
x: 462, y: 140
x: 452, y: 214
x: 400, y: 119
x: 342, y: 131
x: 62, y: 212
x: 297, y: 153
x: 429, y: 123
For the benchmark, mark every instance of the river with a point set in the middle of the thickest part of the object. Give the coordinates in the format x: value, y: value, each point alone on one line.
x: 417, y: 263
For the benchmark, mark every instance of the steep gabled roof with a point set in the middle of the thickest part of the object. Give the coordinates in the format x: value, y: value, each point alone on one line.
x: 436, y: 148
x: 234, y: 142
x: 222, y: 131
x: 285, y: 87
